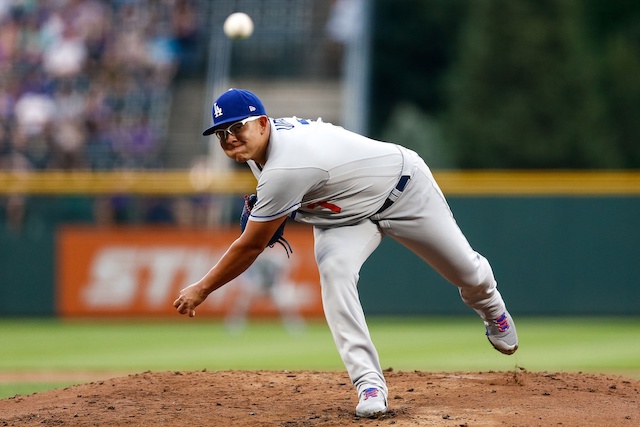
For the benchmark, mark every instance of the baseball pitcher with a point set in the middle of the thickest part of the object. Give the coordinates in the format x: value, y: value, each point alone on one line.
x: 354, y: 191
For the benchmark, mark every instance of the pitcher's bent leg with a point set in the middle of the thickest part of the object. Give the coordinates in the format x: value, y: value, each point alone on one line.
x: 340, y: 253
x: 422, y: 221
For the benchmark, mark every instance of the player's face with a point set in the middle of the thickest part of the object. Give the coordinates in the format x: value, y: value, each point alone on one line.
x: 246, y: 141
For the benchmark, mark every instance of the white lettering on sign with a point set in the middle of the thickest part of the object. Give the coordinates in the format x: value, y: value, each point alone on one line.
x: 122, y: 275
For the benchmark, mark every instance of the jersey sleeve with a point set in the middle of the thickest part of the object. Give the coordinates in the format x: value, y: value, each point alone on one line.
x: 280, y: 191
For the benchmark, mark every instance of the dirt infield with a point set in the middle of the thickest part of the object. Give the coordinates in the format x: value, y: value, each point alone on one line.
x: 305, y: 398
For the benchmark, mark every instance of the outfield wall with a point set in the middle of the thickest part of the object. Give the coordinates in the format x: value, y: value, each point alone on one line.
x: 552, y: 253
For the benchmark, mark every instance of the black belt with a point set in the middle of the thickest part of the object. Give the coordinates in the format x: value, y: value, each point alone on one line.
x: 395, y: 193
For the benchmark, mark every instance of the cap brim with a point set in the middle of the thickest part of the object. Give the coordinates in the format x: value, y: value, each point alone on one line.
x: 227, y: 122
x: 214, y: 128
x: 209, y: 131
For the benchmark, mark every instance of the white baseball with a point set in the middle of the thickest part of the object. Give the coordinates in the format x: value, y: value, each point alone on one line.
x: 238, y: 26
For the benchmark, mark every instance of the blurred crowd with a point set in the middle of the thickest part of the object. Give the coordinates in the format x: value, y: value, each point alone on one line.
x: 85, y: 84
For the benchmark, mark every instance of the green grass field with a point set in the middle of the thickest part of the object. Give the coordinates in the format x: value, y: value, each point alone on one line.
x: 607, y: 345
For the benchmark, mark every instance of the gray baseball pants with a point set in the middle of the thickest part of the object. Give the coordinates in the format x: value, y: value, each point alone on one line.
x: 421, y: 220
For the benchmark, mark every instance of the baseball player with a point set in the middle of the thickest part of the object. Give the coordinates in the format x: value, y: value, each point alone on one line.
x: 268, y: 277
x: 353, y: 191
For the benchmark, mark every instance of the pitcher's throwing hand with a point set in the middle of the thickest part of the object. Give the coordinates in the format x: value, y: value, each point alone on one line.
x: 190, y: 297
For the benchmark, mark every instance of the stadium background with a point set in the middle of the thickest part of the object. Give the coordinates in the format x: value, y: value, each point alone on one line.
x: 525, y: 110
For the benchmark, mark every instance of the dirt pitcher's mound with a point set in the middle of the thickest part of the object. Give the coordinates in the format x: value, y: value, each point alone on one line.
x: 302, y: 398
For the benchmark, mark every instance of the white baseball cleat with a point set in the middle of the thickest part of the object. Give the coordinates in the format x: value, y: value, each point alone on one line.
x: 372, y: 403
x: 502, y: 334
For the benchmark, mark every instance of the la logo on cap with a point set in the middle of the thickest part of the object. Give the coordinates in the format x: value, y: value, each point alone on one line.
x: 217, y: 111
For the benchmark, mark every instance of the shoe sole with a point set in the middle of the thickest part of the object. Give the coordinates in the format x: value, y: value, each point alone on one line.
x: 507, y: 351
x: 373, y: 415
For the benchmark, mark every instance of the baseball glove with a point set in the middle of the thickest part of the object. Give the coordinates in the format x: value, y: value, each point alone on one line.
x: 249, y: 202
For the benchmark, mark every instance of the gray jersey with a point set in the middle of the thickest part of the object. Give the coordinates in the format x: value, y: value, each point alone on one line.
x: 325, y: 174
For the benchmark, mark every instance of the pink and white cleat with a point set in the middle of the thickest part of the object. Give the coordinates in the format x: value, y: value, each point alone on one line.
x: 502, y: 334
x: 372, y: 403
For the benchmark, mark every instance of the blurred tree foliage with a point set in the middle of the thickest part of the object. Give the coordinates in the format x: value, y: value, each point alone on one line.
x: 510, y: 84
x: 615, y: 34
x: 414, y: 44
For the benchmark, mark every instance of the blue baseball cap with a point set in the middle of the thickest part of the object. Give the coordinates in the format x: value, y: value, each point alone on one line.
x: 232, y: 106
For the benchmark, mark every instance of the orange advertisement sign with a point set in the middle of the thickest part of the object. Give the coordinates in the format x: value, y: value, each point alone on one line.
x: 140, y: 271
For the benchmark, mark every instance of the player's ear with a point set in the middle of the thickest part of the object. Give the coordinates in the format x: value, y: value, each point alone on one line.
x: 264, y: 123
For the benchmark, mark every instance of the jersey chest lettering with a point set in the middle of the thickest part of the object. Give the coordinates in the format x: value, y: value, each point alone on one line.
x: 282, y: 124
